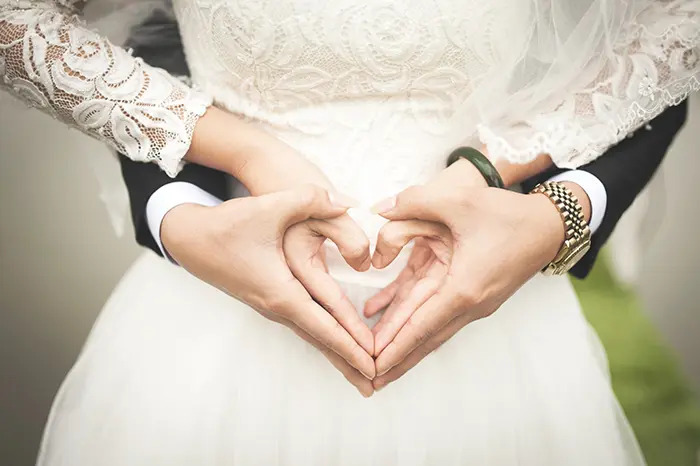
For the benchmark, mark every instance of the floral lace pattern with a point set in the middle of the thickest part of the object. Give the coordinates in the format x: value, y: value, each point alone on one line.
x: 49, y: 60
x: 657, y: 66
x: 409, y: 67
x: 293, y: 63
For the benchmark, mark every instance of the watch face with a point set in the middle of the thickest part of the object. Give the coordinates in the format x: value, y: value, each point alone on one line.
x: 575, y: 255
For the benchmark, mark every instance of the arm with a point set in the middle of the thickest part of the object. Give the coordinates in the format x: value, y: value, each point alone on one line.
x: 624, y: 170
x: 152, y: 193
x: 54, y: 63
x: 51, y: 61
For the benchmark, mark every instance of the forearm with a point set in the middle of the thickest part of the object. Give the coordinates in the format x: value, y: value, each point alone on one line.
x: 263, y: 163
x: 53, y: 62
x: 514, y: 173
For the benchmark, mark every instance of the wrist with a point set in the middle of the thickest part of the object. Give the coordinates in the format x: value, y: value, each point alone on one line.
x: 549, y: 222
x: 225, y: 142
x: 176, y: 226
x: 263, y: 163
x: 548, y: 227
x: 464, y: 174
x: 574, y: 235
x: 582, y: 197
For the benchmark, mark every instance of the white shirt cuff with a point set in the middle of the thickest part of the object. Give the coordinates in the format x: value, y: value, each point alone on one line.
x: 595, y: 190
x: 169, y: 196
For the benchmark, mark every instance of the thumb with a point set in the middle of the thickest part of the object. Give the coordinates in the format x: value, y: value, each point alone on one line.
x: 301, y: 203
x: 416, y: 202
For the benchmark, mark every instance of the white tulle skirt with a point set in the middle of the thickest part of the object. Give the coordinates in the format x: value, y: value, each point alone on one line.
x: 175, y: 373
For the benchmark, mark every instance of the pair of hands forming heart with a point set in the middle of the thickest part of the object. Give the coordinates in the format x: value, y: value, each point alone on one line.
x: 474, y: 247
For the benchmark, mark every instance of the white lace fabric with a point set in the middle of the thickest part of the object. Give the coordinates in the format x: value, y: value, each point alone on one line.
x: 568, y: 78
x: 526, y: 77
x: 655, y: 64
x: 49, y: 59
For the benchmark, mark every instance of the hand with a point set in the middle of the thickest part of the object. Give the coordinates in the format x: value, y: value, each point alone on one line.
x: 423, y: 275
x: 238, y: 248
x: 486, y: 243
x: 305, y: 254
x: 266, y: 165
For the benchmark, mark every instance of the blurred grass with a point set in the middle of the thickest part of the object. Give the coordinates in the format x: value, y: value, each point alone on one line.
x: 659, y: 403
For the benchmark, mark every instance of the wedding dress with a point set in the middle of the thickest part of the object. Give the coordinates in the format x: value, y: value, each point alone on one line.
x: 376, y: 93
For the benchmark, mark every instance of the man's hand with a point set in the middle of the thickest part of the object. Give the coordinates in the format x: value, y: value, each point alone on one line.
x: 476, y: 247
x: 238, y: 248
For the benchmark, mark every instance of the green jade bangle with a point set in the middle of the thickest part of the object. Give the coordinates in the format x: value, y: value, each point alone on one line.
x: 479, y: 160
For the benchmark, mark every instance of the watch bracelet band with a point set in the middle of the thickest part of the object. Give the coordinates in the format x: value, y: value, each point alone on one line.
x: 481, y: 162
x: 571, y: 212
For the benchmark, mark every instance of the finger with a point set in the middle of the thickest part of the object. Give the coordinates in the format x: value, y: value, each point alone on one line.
x: 326, y: 291
x: 382, y: 299
x: 398, y: 314
x: 351, y: 374
x: 394, y: 236
x: 298, y: 204
x: 421, y: 352
x: 425, y: 322
x: 349, y: 238
x: 416, y: 202
x: 318, y: 323
x: 363, y: 385
x: 388, y: 294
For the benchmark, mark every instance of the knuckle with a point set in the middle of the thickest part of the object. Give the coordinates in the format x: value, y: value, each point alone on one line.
x: 279, y: 305
x: 357, y: 248
x: 391, y: 234
x: 309, y: 193
x: 467, y: 296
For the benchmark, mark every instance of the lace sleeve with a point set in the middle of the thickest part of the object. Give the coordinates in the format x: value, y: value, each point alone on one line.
x: 52, y: 62
x: 656, y: 65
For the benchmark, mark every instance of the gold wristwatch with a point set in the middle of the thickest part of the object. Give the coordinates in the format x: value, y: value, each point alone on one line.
x: 578, y: 236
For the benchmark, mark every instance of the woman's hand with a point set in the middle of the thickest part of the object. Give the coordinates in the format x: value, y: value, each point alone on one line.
x: 238, y: 248
x: 477, y: 246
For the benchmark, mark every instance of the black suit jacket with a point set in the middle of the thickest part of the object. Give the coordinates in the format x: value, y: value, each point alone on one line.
x: 624, y: 170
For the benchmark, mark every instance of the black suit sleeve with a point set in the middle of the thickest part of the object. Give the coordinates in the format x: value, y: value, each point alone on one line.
x: 158, y: 42
x: 625, y: 170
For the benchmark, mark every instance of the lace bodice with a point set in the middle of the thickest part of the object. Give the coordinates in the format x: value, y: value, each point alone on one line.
x: 387, y: 86
x: 309, y: 65
x: 52, y: 62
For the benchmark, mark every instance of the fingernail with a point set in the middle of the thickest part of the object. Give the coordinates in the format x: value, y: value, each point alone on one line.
x: 366, y: 374
x: 384, y: 206
x: 366, y: 264
x: 342, y: 201
x: 377, y: 260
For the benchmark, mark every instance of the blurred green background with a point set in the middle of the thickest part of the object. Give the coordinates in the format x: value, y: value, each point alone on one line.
x: 659, y: 403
